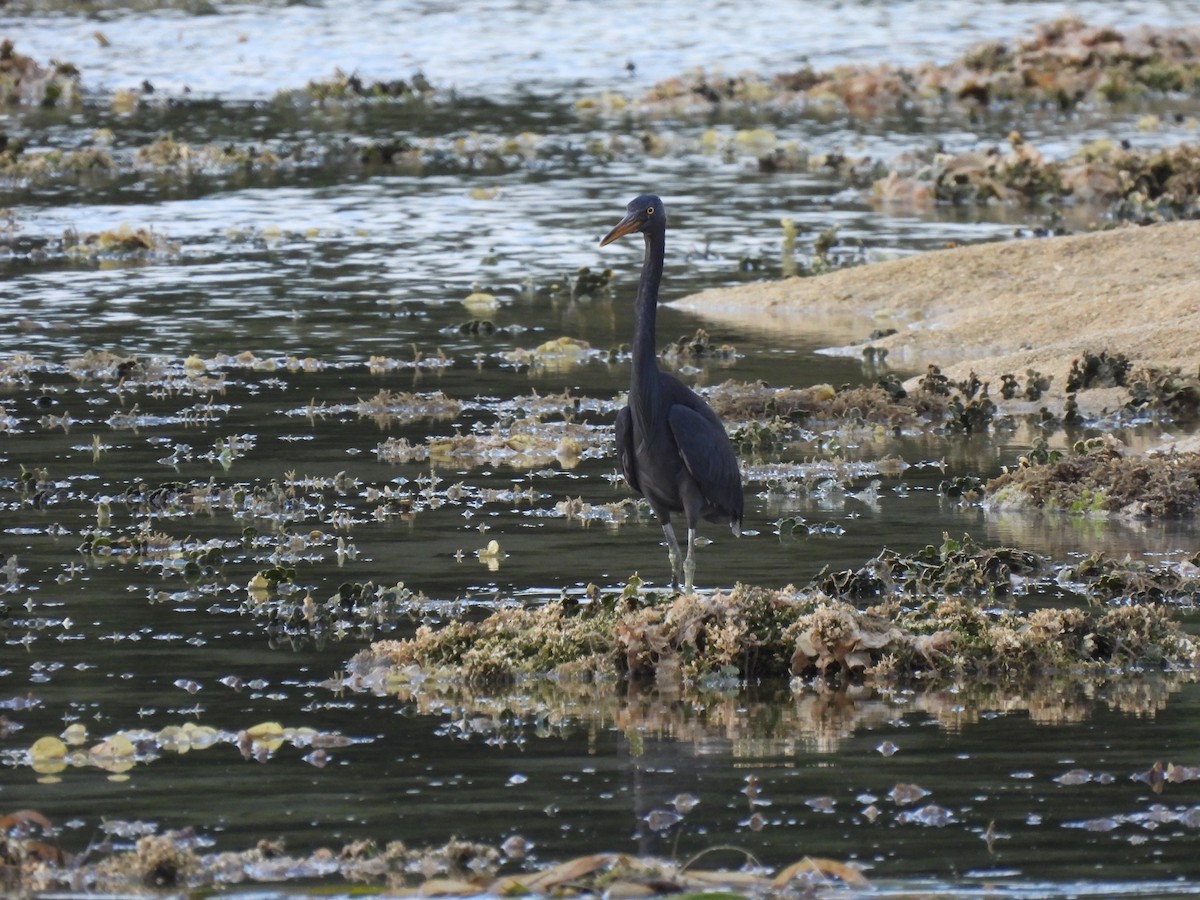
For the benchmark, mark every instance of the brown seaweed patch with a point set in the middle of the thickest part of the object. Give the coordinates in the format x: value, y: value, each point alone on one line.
x: 1135, y: 184
x: 173, y: 861
x: 959, y: 567
x: 754, y: 632
x: 350, y: 88
x: 961, y: 406
x: 523, y: 443
x: 390, y: 407
x: 123, y: 243
x: 509, y: 643
x: 167, y: 153
x: 23, y: 82
x: 1098, y: 476
x: 1108, y: 578
x: 1062, y: 63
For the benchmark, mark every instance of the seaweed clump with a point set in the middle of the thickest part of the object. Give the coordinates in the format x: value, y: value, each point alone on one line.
x: 926, y: 625
x: 23, y: 82
x: 123, y: 242
x: 882, y: 403
x: 958, y: 406
x: 342, y: 87
x: 1061, y: 64
x: 1134, y: 185
x: 510, y: 643
x: 1097, y: 476
x: 953, y: 567
x: 1108, y: 578
x: 1093, y: 370
x: 458, y: 868
x: 1168, y: 390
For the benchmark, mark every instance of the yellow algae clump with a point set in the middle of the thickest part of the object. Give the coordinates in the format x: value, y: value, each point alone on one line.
x: 755, y: 140
x: 200, y: 736
x: 116, y: 754
x: 481, y: 303
x: 75, y: 734
x: 265, y: 731
x: 567, y: 452
x: 555, y: 355
x: 491, y: 555
x: 48, y: 749
x: 173, y: 737
x: 259, y: 587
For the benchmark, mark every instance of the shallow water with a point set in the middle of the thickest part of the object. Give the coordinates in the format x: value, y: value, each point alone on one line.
x: 342, y: 267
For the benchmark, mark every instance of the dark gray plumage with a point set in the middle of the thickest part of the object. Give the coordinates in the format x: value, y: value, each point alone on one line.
x: 672, y: 447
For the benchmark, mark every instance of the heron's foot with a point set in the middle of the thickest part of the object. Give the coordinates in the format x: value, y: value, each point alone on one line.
x: 689, y: 573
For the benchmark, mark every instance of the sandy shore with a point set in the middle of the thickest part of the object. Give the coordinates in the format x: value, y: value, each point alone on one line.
x: 998, y: 308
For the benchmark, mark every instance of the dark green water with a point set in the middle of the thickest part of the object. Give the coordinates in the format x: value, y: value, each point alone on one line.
x: 338, y: 263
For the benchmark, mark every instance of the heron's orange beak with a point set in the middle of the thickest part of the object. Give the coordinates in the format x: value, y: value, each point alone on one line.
x: 628, y: 224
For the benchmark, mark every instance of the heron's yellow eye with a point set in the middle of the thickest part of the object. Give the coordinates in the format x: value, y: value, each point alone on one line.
x: 649, y: 210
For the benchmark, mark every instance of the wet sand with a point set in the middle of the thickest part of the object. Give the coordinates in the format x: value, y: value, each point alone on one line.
x: 998, y: 308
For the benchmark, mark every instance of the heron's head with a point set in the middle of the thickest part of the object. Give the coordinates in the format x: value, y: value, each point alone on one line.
x: 643, y: 213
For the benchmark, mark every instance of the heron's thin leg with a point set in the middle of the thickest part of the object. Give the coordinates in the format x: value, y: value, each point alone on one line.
x: 673, y: 554
x: 689, y: 564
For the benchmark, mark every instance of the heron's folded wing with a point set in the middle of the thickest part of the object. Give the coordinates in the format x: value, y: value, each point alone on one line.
x: 709, y: 456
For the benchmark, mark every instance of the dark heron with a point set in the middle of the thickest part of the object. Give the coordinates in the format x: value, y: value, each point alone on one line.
x: 673, y: 448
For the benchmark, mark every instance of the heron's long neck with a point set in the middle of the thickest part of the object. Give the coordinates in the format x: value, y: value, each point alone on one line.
x: 645, y: 356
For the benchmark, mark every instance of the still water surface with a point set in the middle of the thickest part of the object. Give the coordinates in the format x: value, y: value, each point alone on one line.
x: 343, y: 267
